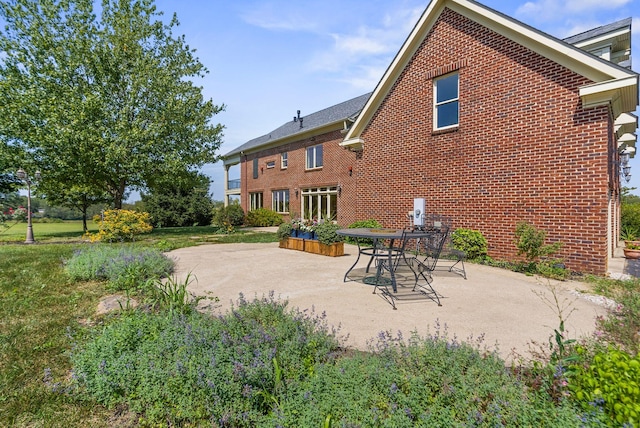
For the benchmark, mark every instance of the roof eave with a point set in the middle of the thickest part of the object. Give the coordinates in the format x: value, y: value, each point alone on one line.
x: 563, y: 53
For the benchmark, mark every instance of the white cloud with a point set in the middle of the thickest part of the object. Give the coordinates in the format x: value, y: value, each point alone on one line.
x: 549, y: 11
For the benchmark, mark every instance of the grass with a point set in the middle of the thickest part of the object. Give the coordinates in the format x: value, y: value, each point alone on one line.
x: 64, y: 230
x: 172, y: 237
x: 41, y: 306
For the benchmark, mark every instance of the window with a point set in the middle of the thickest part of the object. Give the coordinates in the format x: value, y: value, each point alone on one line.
x: 255, y: 201
x: 314, y: 157
x: 271, y: 164
x: 284, y: 160
x: 320, y: 203
x: 445, y: 111
x: 280, y: 201
x: 255, y: 168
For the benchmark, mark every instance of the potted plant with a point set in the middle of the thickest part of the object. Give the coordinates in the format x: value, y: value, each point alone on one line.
x: 284, y: 234
x: 632, y: 250
x: 329, y: 242
x: 629, y: 235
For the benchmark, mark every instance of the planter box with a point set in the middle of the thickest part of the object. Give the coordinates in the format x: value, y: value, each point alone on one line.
x: 313, y: 246
x: 295, y: 244
x: 631, y: 254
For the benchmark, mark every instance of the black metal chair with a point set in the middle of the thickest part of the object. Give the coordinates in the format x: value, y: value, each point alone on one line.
x: 448, y: 253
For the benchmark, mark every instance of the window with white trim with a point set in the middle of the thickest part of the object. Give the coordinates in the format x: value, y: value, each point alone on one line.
x: 314, y: 157
x: 446, y: 104
x: 255, y: 200
x: 280, y: 201
x: 271, y: 164
x: 320, y: 203
x: 284, y: 160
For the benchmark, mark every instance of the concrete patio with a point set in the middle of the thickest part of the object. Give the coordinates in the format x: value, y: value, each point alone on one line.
x: 509, y: 310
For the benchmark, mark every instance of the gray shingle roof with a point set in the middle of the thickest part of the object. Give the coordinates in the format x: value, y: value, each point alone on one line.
x: 345, y: 110
x: 598, y: 31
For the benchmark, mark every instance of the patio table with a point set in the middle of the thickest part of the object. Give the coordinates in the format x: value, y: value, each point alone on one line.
x: 390, y: 255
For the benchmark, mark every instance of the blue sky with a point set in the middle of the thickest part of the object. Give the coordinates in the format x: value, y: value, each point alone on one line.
x: 269, y: 58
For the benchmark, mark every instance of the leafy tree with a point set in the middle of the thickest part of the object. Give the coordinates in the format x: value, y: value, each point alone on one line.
x: 102, y: 104
x: 181, y: 201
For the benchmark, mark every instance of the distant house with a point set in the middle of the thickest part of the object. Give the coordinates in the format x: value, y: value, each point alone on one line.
x: 489, y: 120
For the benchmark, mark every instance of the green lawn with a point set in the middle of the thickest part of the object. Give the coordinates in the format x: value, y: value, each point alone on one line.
x: 66, y: 230
x: 41, y: 306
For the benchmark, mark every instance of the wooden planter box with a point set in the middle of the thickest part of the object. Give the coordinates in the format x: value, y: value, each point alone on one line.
x: 292, y: 244
x: 313, y: 246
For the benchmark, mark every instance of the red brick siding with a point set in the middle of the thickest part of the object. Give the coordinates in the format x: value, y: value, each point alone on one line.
x: 335, y: 170
x: 525, y: 150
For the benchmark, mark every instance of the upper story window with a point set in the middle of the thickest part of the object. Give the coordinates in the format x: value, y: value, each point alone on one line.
x: 271, y: 164
x: 446, y: 104
x: 255, y: 168
x: 314, y: 157
x: 284, y: 160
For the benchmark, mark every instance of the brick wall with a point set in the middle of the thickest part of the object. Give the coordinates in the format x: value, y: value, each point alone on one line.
x: 335, y: 170
x: 525, y: 150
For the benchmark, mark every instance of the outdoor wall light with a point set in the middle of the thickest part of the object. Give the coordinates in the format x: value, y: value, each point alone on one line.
x: 350, y: 171
x: 624, y: 159
x: 296, y: 191
x: 22, y: 175
x: 339, y: 190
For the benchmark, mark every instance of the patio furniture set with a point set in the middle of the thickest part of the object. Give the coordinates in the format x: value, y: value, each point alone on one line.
x: 404, y: 257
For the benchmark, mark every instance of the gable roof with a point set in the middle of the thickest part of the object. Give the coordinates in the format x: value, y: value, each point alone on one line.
x: 612, y: 82
x: 577, y: 39
x: 312, y: 123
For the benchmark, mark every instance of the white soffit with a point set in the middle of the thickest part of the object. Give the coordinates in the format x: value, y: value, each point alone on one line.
x: 627, y: 138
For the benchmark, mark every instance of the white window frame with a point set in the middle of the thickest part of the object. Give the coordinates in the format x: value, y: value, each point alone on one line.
x: 284, y: 160
x: 271, y: 164
x: 437, y: 105
x: 280, y: 201
x: 311, y: 157
x: 315, y: 198
x: 255, y: 200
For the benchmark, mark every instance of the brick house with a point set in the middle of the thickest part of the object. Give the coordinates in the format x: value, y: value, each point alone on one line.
x: 491, y: 121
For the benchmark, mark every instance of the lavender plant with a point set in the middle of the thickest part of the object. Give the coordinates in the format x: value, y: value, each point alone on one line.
x: 231, y: 370
x: 124, y: 267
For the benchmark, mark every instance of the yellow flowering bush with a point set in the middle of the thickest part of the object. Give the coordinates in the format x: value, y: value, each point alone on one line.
x: 120, y: 225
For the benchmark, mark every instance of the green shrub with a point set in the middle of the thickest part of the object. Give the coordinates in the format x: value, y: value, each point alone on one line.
x: 630, y: 216
x: 232, y: 215
x: 369, y: 224
x: 326, y: 233
x: 125, y: 268
x: 120, y: 225
x: 611, y: 381
x: 263, y: 217
x: 530, y: 242
x: 194, y: 369
x: 472, y: 242
x: 284, y: 231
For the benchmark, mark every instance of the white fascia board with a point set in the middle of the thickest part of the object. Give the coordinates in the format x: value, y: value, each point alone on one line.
x: 603, y: 38
x: 353, y: 144
x: 233, y: 160
x: 622, y: 92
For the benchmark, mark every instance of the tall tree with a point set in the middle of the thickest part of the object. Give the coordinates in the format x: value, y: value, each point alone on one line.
x: 108, y: 104
x: 181, y: 201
